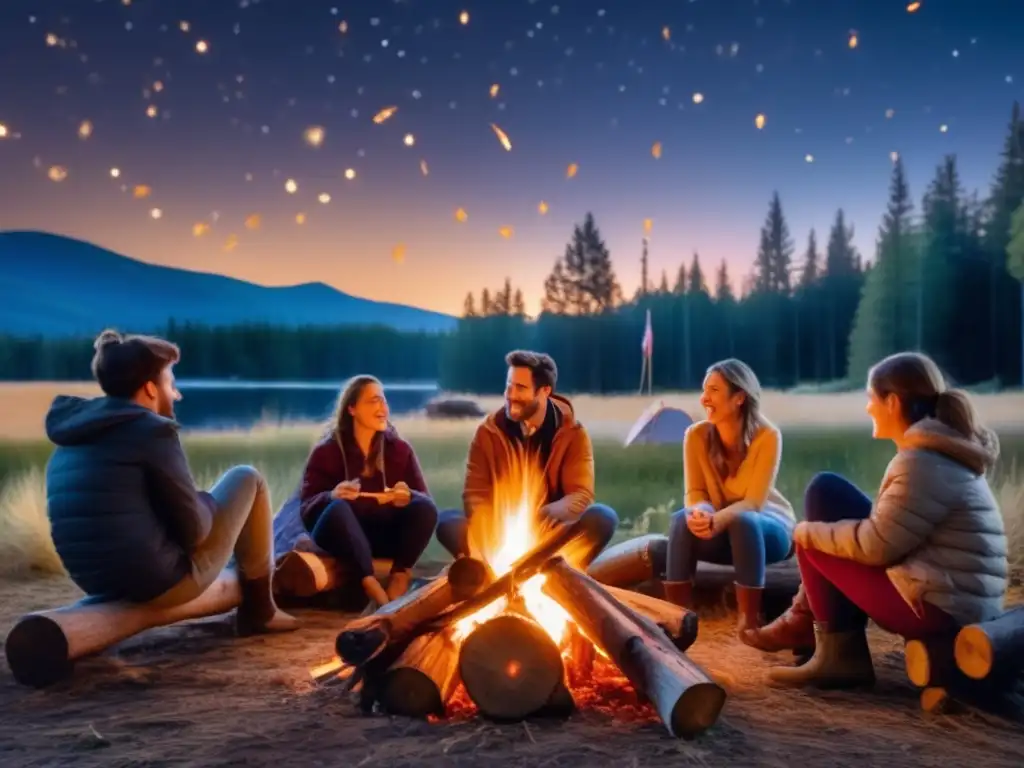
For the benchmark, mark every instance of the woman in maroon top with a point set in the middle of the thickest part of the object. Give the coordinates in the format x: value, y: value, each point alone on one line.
x: 363, y: 494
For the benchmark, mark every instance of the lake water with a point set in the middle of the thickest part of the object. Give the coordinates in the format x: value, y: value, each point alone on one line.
x: 240, y: 404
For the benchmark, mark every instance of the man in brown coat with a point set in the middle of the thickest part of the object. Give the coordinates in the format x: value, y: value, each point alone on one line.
x: 541, y: 427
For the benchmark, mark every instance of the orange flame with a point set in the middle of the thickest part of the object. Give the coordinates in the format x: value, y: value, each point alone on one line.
x: 515, y: 528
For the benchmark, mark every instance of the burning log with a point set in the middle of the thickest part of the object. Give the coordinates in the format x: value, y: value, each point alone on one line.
x: 993, y: 647
x: 366, y: 637
x: 510, y: 667
x: 679, y: 624
x: 687, y: 700
x: 581, y: 657
x: 42, y: 647
x: 423, y: 679
x: 522, y: 569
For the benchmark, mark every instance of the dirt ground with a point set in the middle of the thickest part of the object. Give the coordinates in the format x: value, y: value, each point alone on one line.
x: 194, y: 695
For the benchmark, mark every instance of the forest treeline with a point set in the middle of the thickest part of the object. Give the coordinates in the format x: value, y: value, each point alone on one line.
x: 946, y: 277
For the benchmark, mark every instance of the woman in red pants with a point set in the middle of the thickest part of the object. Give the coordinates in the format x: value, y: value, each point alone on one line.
x: 929, y: 556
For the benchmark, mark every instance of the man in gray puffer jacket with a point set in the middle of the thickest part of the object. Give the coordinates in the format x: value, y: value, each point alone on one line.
x: 125, y: 516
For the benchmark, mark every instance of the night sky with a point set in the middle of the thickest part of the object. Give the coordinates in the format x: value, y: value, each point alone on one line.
x: 203, y: 108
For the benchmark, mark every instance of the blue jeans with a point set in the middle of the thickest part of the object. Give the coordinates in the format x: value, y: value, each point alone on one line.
x: 398, y: 533
x: 753, y: 541
x: 453, y: 531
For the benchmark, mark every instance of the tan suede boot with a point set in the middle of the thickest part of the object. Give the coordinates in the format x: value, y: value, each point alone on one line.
x: 840, y: 660
x: 679, y: 593
x: 258, y: 613
x: 748, y: 604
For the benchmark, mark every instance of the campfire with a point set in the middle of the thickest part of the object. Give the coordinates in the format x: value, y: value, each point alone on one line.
x: 518, y: 627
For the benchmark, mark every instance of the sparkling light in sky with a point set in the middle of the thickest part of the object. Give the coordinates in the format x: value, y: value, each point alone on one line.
x: 412, y: 151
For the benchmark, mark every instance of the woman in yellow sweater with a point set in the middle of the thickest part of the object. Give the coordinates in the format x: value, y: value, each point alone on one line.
x: 733, y: 514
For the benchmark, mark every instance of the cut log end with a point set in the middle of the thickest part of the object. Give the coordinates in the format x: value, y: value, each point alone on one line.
x: 697, y: 709
x: 359, y: 646
x: 510, y: 667
x: 975, y: 655
x: 918, y: 666
x: 38, y: 652
x: 935, y: 701
x: 410, y: 692
x: 467, y: 576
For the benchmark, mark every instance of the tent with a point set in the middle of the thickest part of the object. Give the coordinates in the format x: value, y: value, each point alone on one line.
x: 659, y: 424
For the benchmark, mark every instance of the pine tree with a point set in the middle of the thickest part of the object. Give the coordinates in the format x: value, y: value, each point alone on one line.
x: 809, y: 273
x: 469, y: 306
x: 840, y: 295
x: 884, y: 320
x: 663, y: 288
x: 486, y: 305
x: 679, y: 288
x: 775, y: 251
x: 941, y: 268
x: 556, y: 300
x: 695, y: 280
x: 723, y: 288
x: 1005, y: 299
x: 518, y: 305
x: 598, y: 281
x: 1015, y: 266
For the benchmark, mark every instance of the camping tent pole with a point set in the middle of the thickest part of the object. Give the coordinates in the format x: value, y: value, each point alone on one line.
x: 643, y: 373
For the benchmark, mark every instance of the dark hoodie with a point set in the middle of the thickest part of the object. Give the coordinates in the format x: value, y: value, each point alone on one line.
x: 124, y: 512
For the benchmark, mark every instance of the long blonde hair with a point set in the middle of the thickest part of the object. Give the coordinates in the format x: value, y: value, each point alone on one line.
x: 340, y: 425
x: 741, y: 378
x: 918, y: 384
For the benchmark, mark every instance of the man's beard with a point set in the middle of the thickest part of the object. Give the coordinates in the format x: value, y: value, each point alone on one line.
x: 164, y: 406
x: 526, y: 412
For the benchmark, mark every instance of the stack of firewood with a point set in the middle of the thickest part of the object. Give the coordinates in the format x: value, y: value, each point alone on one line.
x: 406, y: 658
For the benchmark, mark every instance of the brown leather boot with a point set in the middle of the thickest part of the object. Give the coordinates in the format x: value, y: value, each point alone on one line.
x: 258, y: 613
x: 748, y: 603
x: 679, y: 593
x: 793, y: 630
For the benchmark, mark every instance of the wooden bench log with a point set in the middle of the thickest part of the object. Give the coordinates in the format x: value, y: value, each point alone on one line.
x: 929, y: 661
x: 42, y: 647
x: 631, y: 562
x: 993, y: 648
x: 685, y: 697
x: 639, y: 564
x: 300, y: 574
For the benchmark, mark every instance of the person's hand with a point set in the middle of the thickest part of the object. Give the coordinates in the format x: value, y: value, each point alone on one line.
x: 347, y: 490
x: 401, y: 495
x: 721, y: 520
x: 555, y: 513
x: 701, y: 523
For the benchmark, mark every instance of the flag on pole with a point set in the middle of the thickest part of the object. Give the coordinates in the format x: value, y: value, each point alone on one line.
x: 647, y: 344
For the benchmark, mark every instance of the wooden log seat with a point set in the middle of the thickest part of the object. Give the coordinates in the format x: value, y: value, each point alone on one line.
x: 993, y: 648
x: 42, y: 647
x: 305, y: 573
x: 639, y: 564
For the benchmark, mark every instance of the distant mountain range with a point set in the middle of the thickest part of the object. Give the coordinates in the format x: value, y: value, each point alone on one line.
x: 58, y: 286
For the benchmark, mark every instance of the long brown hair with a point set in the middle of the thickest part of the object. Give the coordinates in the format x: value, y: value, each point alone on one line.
x: 741, y: 378
x: 340, y: 426
x: 922, y: 391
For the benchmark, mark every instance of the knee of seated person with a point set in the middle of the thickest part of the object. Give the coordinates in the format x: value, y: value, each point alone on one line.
x: 748, y: 518
x: 818, y: 491
x: 604, y: 517
x: 424, y: 511
x: 449, y: 517
x: 248, y: 474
